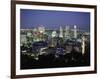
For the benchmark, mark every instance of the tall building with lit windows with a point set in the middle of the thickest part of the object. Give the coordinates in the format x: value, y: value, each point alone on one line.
x: 66, y: 33
x: 75, y: 31
x: 61, y: 32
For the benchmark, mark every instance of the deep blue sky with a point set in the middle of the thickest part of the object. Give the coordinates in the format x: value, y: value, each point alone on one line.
x: 31, y: 18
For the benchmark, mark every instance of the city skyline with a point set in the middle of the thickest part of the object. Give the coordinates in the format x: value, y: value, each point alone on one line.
x: 54, y: 19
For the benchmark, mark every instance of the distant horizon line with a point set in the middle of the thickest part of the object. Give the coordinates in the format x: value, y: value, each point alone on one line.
x: 64, y: 27
x: 56, y: 29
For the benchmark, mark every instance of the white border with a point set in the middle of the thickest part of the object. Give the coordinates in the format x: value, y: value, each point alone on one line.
x: 52, y: 70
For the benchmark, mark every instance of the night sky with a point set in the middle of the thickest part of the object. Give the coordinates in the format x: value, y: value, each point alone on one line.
x: 31, y: 18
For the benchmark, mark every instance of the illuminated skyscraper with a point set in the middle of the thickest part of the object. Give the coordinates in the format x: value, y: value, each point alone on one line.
x: 66, y: 34
x: 61, y: 32
x: 83, y: 44
x: 75, y: 31
x: 53, y: 39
